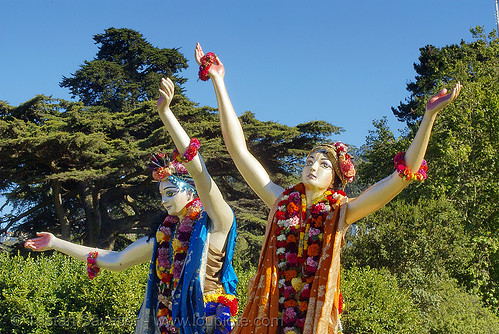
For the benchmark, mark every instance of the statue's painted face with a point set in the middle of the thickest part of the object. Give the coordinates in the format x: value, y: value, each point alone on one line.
x: 318, y: 171
x: 173, y: 198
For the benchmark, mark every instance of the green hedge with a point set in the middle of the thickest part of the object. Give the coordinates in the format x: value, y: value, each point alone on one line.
x: 374, y: 303
x: 52, y: 294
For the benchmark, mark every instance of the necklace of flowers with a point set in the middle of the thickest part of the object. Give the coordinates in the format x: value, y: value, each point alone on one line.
x: 299, y: 247
x: 173, y: 243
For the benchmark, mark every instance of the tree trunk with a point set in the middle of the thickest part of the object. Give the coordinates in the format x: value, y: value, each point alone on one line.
x: 59, y: 208
x: 90, y: 201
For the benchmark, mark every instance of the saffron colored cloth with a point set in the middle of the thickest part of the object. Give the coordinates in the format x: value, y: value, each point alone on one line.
x: 261, y: 315
x: 188, y: 309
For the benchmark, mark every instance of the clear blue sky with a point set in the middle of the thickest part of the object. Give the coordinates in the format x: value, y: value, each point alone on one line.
x: 346, y: 62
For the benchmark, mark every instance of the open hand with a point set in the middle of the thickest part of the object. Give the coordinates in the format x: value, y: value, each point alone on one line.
x: 216, y: 69
x: 42, y: 243
x: 442, y: 99
x: 166, y: 92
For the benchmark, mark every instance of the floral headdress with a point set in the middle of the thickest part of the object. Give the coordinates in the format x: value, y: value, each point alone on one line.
x: 164, y: 169
x: 340, y: 159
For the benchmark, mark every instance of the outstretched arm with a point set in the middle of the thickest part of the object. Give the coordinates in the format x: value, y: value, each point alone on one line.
x: 249, y: 167
x: 138, y: 252
x: 385, y: 190
x: 211, y: 197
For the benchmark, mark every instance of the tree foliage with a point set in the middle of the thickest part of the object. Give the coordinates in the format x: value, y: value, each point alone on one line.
x: 125, y: 71
x: 453, y: 215
x: 79, y: 168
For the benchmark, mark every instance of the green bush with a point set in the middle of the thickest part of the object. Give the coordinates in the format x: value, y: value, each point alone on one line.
x: 243, y: 275
x: 374, y: 303
x: 52, y: 294
x: 446, y: 307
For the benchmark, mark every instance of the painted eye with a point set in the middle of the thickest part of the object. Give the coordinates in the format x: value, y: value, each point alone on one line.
x: 309, y: 163
x: 171, y: 193
x: 325, y: 165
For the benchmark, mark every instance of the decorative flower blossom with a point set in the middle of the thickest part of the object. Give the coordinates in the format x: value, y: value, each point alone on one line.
x: 295, y: 197
x: 289, y: 315
x: 292, y: 259
x: 291, y: 222
x: 288, y: 291
x: 313, y: 250
x: 318, y: 208
x: 313, y: 232
x: 312, y: 263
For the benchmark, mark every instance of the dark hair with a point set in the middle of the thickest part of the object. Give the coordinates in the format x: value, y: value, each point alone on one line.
x: 337, y: 184
x: 154, y: 225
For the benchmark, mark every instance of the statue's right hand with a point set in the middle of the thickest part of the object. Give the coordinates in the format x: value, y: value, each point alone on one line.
x: 43, y: 242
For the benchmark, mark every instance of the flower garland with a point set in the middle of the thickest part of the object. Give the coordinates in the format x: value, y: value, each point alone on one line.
x: 206, y: 61
x: 224, y: 299
x: 189, y: 154
x: 92, y: 269
x: 299, y: 247
x: 404, y: 170
x: 173, y: 243
x: 345, y: 162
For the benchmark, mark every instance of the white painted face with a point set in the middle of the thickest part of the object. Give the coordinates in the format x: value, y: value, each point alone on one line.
x: 318, y: 172
x: 173, y: 199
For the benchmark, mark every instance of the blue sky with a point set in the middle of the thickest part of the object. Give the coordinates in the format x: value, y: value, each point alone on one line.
x: 346, y: 62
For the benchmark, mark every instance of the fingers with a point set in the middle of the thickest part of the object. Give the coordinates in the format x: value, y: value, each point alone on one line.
x: 198, y: 53
x: 442, y: 92
x: 457, y: 89
x: 33, y: 244
x: 166, y: 92
x: 167, y: 88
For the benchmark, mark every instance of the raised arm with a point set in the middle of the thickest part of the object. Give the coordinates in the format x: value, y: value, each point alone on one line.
x: 211, y: 197
x: 249, y: 167
x: 379, y: 194
x: 138, y: 252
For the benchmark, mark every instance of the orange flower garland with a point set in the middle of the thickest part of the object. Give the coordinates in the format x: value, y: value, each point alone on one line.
x: 299, y: 246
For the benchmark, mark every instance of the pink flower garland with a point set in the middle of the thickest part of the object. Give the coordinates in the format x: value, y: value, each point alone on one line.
x: 190, y: 153
x: 299, y: 247
x: 92, y: 269
x: 345, y: 161
x: 405, y: 172
x: 206, y: 61
x: 171, y: 257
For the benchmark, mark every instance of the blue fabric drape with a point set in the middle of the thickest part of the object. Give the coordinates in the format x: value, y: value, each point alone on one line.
x: 187, y: 303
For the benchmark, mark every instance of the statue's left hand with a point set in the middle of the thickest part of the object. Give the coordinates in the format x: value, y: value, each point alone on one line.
x: 442, y: 99
x: 216, y: 69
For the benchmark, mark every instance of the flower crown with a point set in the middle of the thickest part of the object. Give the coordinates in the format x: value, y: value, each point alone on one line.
x: 341, y: 160
x: 162, y: 167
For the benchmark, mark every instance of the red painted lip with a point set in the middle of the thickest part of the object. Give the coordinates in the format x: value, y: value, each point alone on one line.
x: 311, y: 176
